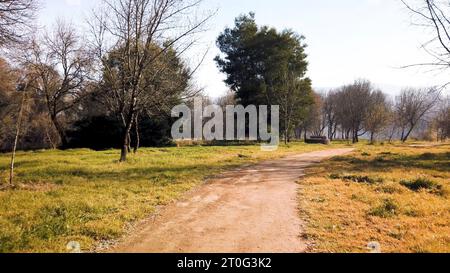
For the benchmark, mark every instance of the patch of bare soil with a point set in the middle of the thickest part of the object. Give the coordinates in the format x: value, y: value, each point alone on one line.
x: 249, y: 210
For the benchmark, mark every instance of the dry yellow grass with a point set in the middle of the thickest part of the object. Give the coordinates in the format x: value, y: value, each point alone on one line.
x: 397, y: 195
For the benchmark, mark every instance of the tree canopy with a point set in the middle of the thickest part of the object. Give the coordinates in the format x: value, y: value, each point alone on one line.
x: 266, y: 67
x: 256, y: 57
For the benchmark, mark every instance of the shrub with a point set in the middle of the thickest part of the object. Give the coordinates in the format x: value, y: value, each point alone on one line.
x: 387, y: 209
x: 420, y: 184
x: 381, y: 159
x: 335, y: 176
x: 428, y: 156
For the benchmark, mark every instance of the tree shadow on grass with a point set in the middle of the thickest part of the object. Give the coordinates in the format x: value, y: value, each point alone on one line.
x: 155, y: 175
x: 386, y: 162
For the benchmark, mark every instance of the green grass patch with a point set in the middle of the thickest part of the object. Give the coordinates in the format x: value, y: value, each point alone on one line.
x: 389, y: 208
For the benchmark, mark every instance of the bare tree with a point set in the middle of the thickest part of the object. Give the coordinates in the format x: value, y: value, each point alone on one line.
x: 36, y: 131
x: 294, y: 95
x: 378, y: 114
x: 228, y: 99
x: 131, y: 30
x: 330, y: 104
x: 442, y: 120
x: 434, y: 15
x: 317, y: 123
x: 342, y: 118
x: 7, y: 83
x: 16, y: 18
x: 58, y: 66
x: 8, y: 108
x: 353, y: 109
x: 20, y: 114
x: 412, y: 106
x: 392, y: 128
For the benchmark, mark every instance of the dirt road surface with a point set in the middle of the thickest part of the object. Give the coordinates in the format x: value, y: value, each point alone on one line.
x: 249, y: 210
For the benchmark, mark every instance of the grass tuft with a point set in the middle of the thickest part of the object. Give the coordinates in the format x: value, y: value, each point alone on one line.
x: 424, y: 184
x: 390, y: 189
x: 358, y: 178
x: 389, y: 208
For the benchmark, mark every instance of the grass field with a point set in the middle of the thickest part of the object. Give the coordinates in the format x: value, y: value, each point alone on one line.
x: 87, y: 196
x: 397, y: 195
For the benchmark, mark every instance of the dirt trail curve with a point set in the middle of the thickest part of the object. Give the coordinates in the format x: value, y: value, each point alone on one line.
x: 249, y: 210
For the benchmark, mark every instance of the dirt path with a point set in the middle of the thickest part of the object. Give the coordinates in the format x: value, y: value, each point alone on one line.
x: 248, y: 210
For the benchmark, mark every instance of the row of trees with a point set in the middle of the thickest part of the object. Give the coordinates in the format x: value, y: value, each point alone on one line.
x: 115, y: 86
x: 124, y: 75
x: 265, y: 66
x: 361, y: 110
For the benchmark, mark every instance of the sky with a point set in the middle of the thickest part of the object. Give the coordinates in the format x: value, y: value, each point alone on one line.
x: 347, y: 39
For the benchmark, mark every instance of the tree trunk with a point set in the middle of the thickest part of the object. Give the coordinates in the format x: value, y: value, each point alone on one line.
x: 392, y: 135
x: 332, y: 132
x: 285, y: 136
x: 355, y: 136
x: 129, y: 141
x: 16, y: 140
x: 138, y: 137
x: 403, y: 135
x: 60, y: 130
x: 298, y: 134
x: 49, y: 138
x: 125, y: 144
x: 406, y: 137
x: 126, y: 137
x: 124, y: 150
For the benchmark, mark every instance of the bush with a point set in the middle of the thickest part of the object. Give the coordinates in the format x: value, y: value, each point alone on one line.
x: 335, y: 176
x: 387, y: 209
x: 428, y: 156
x: 426, y: 184
x: 420, y: 184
